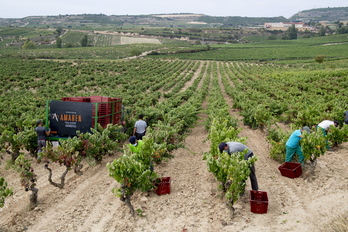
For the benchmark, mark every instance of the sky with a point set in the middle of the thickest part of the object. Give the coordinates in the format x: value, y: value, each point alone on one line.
x: 244, y: 8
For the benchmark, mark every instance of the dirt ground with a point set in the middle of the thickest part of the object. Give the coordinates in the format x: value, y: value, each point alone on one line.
x: 195, y: 203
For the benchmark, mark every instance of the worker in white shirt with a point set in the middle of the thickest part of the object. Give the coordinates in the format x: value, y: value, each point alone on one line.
x: 140, y: 128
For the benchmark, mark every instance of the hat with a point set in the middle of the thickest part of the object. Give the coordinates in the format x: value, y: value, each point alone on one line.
x: 132, y: 139
x: 39, y: 121
x: 306, y: 128
x: 222, y: 146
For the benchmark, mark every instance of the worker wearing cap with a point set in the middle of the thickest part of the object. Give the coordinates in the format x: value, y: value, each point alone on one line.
x: 135, y: 145
x: 293, y: 145
x: 232, y: 147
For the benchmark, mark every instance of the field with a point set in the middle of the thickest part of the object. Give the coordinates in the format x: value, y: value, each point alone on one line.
x: 331, y: 47
x: 181, y: 98
x: 101, y: 39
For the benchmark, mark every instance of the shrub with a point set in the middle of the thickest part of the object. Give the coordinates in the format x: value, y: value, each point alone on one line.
x: 135, y: 52
x: 319, y: 59
x: 28, y: 45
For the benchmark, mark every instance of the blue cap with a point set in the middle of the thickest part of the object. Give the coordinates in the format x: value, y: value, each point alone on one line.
x: 222, y: 147
x: 132, y: 139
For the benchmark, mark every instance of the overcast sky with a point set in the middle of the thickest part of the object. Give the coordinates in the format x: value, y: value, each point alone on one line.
x: 249, y: 8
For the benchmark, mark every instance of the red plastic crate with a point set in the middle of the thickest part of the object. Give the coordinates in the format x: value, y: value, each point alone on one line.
x: 65, y: 98
x: 291, y: 170
x: 103, y: 109
x: 103, y: 106
x: 95, y: 98
x: 258, y: 201
x: 76, y: 99
x: 117, y: 118
x: 111, y: 106
x: 164, y: 186
x: 117, y: 104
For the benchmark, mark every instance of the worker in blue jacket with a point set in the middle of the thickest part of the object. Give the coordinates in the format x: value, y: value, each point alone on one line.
x: 293, y: 145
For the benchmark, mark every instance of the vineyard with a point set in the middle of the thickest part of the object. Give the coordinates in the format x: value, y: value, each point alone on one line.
x: 190, y: 106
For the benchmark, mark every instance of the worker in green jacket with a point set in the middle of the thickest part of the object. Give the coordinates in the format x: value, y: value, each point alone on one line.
x: 135, y: 145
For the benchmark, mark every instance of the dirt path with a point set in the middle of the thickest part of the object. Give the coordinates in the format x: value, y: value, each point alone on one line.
x: 195, y: 76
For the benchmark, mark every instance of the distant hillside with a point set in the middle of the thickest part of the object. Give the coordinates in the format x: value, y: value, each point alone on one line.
x: 237, y: 21
x: 322, y: 14
x: 187, y: 20
x: 180, y: 20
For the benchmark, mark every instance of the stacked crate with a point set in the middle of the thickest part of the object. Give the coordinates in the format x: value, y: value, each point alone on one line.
x: 109, y: 108
x: 104, y: 109
x: 77, y: 99
x: 117, y: 106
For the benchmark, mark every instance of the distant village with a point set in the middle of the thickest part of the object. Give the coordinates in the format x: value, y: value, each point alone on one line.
x: 301, y: 26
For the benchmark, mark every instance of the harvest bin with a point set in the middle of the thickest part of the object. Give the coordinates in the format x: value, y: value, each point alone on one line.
x: 258, y: 201
x: 291, y: 170
x: 164, y: 186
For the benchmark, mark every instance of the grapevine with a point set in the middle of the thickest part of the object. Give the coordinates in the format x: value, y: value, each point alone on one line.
x: 313, y: 146
x: 28, y: 178
x: 4, y: 191
x: 67, y: 154
x: 132, y: 174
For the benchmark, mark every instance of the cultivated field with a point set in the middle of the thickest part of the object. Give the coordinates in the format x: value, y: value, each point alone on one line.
x: 175, y: 92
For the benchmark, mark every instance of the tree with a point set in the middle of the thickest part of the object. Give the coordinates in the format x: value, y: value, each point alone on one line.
x: 59, y: 31
x: 329, y: 30
x: 59, y: 42
x: 28, y: 45
x: 292, y: 32
x: 322, y: 31
x: 342, y: 30
x: 84, y: 41
x: 338, y: 23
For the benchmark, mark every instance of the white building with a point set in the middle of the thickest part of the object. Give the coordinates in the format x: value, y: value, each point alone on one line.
x: 285, y: 26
